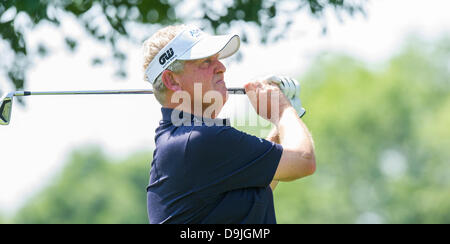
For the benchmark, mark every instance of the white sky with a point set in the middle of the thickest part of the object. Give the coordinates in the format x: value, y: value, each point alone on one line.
x: 35, y: 146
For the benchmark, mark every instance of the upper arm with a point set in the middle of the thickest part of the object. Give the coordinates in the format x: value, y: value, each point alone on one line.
x: 294, y: 165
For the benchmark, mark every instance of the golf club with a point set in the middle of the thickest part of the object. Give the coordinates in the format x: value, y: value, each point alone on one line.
x: 7, y: 101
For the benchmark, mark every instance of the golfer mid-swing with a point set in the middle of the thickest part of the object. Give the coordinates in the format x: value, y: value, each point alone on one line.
x: 203, y: 170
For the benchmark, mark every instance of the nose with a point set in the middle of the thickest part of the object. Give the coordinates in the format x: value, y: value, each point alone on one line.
x: 220, y: 67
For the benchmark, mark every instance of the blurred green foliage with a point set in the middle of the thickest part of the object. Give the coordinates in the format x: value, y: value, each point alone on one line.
x: 93, y: 189
x: 381, y: 138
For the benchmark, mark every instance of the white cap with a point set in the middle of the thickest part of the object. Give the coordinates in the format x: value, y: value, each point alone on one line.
x: 191, y: 44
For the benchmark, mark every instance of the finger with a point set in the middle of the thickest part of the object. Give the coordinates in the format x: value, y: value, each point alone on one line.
x: 295, y: 87
x: 273, y: 79
x: 248, y: 86
x: 258, y: 84
x: 289, y: 89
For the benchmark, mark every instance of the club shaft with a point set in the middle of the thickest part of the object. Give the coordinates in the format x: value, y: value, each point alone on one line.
x: 88, y: 92
x: 103, y: 92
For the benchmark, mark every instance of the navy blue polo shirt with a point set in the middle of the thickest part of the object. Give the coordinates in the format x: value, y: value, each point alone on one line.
x: 205, y: 171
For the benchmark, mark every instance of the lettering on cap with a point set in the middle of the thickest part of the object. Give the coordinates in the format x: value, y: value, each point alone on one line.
x: 166, y: 56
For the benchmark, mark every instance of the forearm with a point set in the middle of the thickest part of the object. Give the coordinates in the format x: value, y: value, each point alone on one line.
x: 293, y: 133
x: 298, y: 159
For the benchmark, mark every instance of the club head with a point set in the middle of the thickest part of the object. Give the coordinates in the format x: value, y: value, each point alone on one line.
x: 5, y: 109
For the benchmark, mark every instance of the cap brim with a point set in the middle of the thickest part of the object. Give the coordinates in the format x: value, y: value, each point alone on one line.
x: 224, y: 45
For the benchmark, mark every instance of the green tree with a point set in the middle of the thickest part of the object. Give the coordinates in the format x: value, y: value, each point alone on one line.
x: 381, y: 137
x: 110, y: 21
x: 93, y: 189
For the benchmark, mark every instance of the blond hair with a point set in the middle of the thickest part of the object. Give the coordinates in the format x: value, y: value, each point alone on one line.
x: 151, y: 48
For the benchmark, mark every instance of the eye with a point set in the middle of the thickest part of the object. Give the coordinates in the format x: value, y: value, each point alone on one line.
x: 205, y: 63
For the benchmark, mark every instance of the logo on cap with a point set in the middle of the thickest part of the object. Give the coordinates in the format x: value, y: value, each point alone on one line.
x: 195, y: 33
x: 166, y: 56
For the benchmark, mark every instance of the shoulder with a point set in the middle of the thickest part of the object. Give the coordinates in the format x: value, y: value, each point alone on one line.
x: 222, y: 140
x: 214, y: 134
x: 217, y: 140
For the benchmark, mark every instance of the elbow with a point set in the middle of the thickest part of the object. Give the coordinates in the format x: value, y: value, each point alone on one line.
x: 296, y: 165
x: 310, y: 164
x: 307, y: 165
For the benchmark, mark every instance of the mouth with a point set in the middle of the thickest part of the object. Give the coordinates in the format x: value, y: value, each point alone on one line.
x: 220, y: 82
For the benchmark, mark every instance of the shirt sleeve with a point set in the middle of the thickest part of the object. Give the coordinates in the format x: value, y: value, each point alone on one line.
x: 223, y: 159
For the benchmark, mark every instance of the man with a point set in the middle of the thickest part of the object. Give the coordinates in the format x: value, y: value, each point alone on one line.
x: 203, y: 170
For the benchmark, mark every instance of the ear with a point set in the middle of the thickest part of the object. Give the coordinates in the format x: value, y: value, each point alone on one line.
x: 169, y: 81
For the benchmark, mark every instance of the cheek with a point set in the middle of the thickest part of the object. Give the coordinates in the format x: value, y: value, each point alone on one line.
x: 203, y: 77
x: 206, y: 79
x: 188, y: 79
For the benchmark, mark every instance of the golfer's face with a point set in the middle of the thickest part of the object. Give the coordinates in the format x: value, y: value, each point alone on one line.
x: 209, y: 72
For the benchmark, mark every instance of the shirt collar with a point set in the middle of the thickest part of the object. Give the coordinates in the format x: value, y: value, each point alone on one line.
x: 178, y: 118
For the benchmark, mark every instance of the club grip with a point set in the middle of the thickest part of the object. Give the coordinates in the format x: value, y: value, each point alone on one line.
x: 235, y: 90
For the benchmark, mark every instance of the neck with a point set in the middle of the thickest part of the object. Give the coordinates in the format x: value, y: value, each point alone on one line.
x: 190, y: 108
x: 185, y: 103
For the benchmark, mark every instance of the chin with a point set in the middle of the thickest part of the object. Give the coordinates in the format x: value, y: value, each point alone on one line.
x: 223, y: 90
